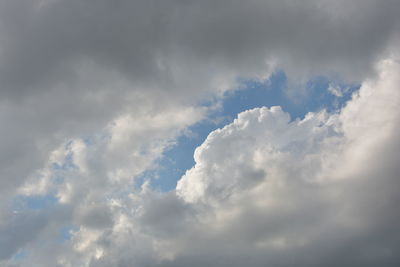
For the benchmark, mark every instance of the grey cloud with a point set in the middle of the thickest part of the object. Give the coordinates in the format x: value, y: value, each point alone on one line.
x: 95, y: 216
x: 328, y: 200
x: 156, y: 44
x: 165, y: 215
x: 324, y: 212
x: 68, y: 67
x: 71, y: 68
x: 19, y: 230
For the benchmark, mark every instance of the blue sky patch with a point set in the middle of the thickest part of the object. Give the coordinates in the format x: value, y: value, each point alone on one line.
x: 22, y: 203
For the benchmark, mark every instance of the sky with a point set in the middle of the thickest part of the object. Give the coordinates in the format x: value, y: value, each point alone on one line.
x: 199, y: 133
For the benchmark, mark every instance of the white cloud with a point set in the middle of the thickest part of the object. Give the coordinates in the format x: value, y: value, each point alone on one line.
x: 261, y: 144
x: 322, y: 185
x: 335, y: 90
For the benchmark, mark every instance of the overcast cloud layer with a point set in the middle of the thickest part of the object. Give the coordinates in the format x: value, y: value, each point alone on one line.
x: 92, y: 92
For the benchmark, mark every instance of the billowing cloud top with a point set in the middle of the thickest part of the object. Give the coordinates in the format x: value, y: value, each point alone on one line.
x: 93, y: 92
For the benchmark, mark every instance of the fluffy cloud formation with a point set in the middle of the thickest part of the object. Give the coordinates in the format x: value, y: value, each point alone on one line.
x: 79, y: 65
x: 93, y: 92
x: 264, y: 190
x: 315, y: 192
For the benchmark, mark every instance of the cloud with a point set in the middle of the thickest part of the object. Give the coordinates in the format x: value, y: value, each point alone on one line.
x: 19, y: 230
x: 319, y: 191
x: 50, y: 43
x: 70, y: 67
x: 93, y: 92
x: 267, y: 190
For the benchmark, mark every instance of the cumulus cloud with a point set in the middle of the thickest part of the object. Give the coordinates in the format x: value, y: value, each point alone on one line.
x: 317, y: 191
x: 70, y: 67
x: 265, y: 189
x: 93, y: 92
